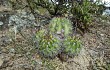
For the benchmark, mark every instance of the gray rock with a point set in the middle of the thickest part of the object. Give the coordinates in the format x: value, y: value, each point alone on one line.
x: 1, y: 62
x: 12, y: 50
x: 1, y: 23
x: 101, y: 34
x: 23, y: 19
x: 4, y: 41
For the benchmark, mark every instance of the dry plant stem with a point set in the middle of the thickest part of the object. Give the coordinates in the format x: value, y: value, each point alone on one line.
x: 74, y: 62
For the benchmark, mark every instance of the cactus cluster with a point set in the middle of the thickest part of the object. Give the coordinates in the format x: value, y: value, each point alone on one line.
x: 49, y: 45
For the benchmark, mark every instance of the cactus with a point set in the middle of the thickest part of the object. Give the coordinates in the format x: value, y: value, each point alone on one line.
x: 48, y: 46
x: 72, y: 46
x: 58, y: 24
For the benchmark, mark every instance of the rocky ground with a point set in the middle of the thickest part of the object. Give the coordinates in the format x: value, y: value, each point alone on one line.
x: 18, y: 50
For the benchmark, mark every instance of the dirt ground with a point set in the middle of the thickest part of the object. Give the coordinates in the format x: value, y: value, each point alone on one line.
x: 18, y: 52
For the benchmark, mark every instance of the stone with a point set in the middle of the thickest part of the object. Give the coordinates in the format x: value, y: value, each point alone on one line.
x: 102, y: 34
x: 21, y: 21
x: 1, y: 23
x: 4, y: 41
x: 12, y: 50
x: 1, y: 62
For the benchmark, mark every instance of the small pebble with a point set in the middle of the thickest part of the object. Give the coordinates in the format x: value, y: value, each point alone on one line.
x: 12, y: 50
x: 102, y: 34
x: 1, y: 23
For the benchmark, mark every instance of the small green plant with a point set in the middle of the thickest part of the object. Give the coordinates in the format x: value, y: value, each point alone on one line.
x: 82, y: 17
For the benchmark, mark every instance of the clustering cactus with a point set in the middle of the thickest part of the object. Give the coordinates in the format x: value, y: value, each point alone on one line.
x: 49, y: 45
